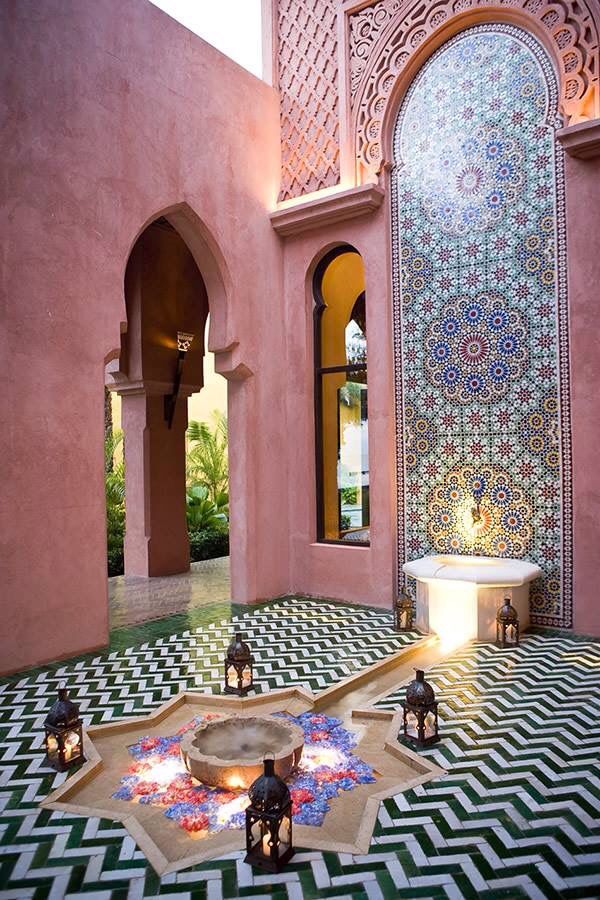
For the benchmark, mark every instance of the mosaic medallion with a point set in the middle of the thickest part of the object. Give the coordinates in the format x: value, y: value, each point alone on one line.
x: 480, y: 314
x: 476, y: 349
x: 505, y: 514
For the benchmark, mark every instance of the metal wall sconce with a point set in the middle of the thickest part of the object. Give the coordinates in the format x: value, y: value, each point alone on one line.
x: 476, y: 510
x: 184, y: 340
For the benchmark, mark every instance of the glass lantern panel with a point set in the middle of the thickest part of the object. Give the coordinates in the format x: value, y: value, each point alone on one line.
x: 285, y: 830
x: 266, y: 842
x: 51, y: 746
x: 256, y: 832
x: 511, y: 634
x: 429, y: 725
x: 246, y: 676
x: 232, y: 677
x: 412, y: 724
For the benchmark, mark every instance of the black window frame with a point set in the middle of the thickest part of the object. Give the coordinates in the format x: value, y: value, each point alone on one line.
x: 319, y: 372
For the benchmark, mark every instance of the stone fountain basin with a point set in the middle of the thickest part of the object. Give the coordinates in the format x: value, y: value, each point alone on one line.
x: 229, y: 753
x: 458, y: 596
x: 485, y: 570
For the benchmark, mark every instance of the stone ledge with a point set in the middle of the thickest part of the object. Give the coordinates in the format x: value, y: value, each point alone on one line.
x: 349, y: 822
x: 334, y: 207
x: 581, y: 141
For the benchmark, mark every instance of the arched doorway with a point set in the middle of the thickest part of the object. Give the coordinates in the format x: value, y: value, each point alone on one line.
x: 481, y: 310
x: 161, y: 364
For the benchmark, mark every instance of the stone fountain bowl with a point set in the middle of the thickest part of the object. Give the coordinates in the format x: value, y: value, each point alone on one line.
x: 229, y: 753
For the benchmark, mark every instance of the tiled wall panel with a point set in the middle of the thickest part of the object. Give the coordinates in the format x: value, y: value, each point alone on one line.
x: 480, y: 311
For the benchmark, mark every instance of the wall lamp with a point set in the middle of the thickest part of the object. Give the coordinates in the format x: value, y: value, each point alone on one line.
x: 184, y: 341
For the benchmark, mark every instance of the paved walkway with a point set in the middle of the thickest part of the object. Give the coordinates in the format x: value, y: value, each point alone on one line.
x: 135, y: 600
x: 517, y: 815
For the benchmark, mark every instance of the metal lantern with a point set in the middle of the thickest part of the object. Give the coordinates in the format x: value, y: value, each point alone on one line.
x: 269, y: 821
x: 420, y: 712
x: 403, y: 613
x: 507, y: 625
x: 64, y: 734
x: 238, y: 667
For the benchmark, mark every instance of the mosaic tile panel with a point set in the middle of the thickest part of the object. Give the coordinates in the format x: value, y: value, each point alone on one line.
x: 480, y: 311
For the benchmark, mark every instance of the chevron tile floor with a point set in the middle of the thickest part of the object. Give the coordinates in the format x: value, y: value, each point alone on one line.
x: 517, y: 815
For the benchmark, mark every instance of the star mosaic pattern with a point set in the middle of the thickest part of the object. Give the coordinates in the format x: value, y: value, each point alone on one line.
x: 480, y: 316
x: 327, y: 767
x: 517, y: 815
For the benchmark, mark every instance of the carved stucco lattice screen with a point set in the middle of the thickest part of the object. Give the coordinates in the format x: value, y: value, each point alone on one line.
x: 308, y: 82
x: 386, y: 35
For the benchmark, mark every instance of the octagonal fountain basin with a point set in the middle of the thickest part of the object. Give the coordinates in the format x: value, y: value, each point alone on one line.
x: 458, y: 596
x: 229, y: 753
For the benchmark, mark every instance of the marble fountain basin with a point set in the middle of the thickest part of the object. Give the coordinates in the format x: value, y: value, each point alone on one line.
x: 229, y: 753
x: 458, y: 596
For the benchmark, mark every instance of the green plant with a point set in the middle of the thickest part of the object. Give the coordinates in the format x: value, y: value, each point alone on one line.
x: 345, y: 522
x: 114, y: 485
x: 350, y: 393
x: 207, y: 501
x: 202, y: 512
x: 209, y: 543
x: 207, y: 455
x: 349, y: 495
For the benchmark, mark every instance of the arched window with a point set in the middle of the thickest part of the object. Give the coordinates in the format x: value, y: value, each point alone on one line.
x: 341, y: 411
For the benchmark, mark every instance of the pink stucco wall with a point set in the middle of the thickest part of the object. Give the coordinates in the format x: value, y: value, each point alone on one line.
x: 115, y: 114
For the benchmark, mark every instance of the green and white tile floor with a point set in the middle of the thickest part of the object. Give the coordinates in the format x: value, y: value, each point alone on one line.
x: 517, y: 815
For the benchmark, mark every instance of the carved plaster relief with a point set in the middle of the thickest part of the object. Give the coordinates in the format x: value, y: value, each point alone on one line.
x: 385, y: 36
x: 308, y: 82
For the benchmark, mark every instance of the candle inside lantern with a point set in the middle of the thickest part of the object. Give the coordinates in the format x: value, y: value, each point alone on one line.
x: 265, y: 845
x: 429, y: 724
x: 71, y: 745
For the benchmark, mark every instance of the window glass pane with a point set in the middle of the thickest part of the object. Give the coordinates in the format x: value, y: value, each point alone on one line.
x: 345, y: 454
x: 342, y: 284
x: 356, y: 334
